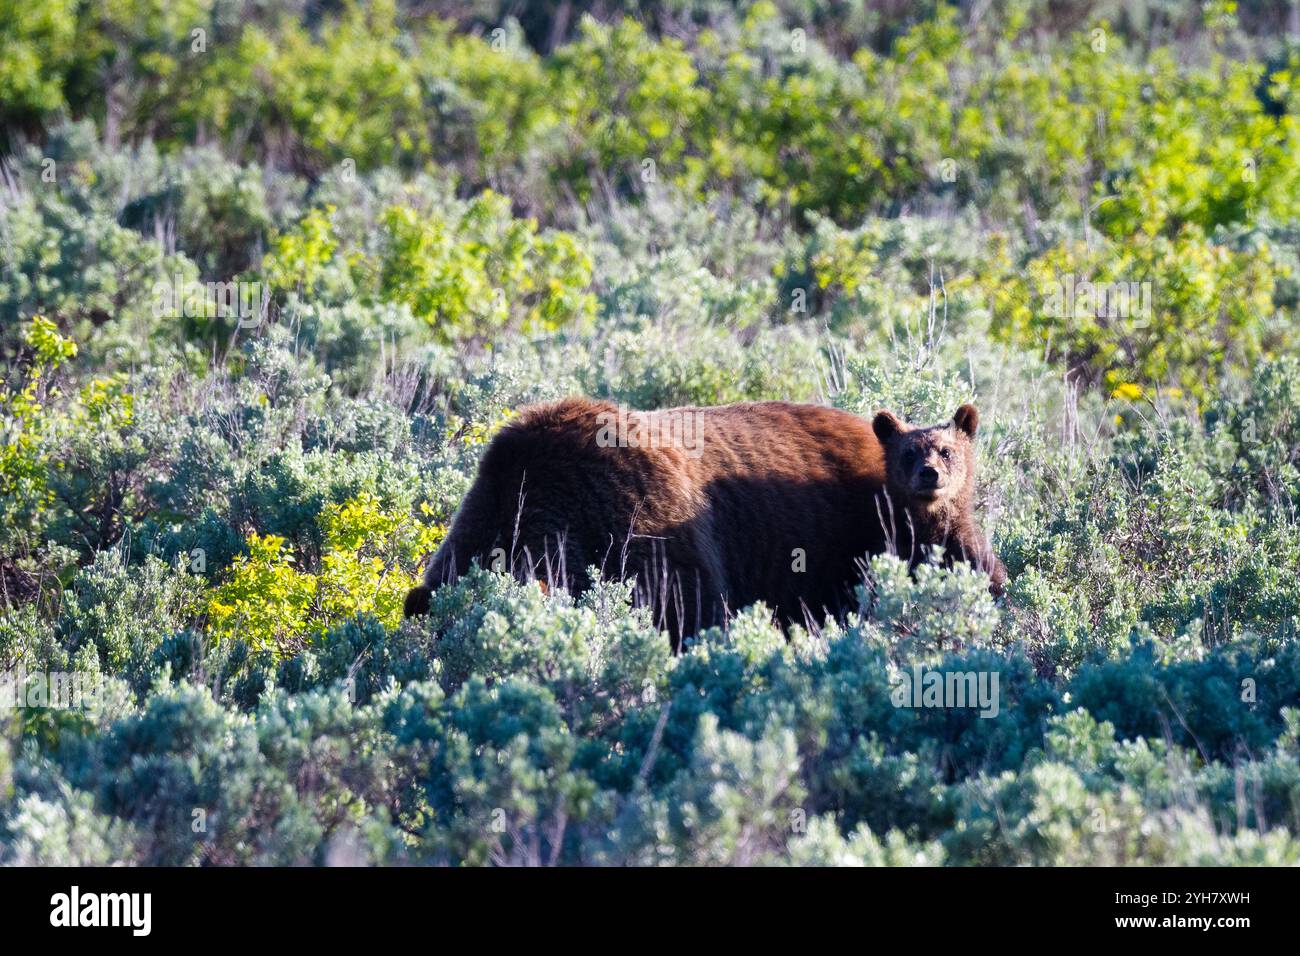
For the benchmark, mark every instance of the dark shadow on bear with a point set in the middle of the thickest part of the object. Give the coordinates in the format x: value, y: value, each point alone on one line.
x: 799, y: 547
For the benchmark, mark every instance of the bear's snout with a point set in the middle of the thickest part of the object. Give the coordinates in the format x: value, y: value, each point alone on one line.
x: 928, y: 482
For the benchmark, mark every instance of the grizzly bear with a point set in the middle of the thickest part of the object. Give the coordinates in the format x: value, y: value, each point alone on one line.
x: 713, y: 509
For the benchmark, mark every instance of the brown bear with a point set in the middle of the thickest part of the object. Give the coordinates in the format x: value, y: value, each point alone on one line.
x: 713, y: 509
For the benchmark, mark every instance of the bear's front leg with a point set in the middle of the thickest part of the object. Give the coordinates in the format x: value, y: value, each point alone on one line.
x: 974, y: 549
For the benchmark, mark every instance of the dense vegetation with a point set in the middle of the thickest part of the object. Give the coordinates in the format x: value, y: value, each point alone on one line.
x: 1084, y: 216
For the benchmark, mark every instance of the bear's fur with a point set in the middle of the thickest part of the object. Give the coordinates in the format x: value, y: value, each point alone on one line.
x: 761, y: 501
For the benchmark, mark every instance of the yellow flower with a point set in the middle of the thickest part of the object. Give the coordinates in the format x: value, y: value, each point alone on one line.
x: 1127, y: 390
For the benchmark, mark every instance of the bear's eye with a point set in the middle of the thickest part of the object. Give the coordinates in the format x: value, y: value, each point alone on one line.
x: 945, y: 454
x: 909, y: 459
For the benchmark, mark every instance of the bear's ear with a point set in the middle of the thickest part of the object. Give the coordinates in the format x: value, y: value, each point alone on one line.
x: 887, y: 425
x: 967, y: 419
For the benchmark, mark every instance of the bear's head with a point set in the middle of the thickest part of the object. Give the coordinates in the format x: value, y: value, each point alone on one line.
x: 931, y: 468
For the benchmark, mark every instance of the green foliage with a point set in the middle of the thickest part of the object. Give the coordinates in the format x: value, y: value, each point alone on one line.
x: 483, y: 272
x: 270, y: 602
x: 653, y: 83
x: 1181, y: 307
x: 93, y: 277
x: 298, y: 259
x: 24, y: 456
x: 37, y: 45
x: 266, y: 599
x: 124, y: 613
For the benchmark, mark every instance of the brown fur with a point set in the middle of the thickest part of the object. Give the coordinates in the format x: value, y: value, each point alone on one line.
x: 711, y: 532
